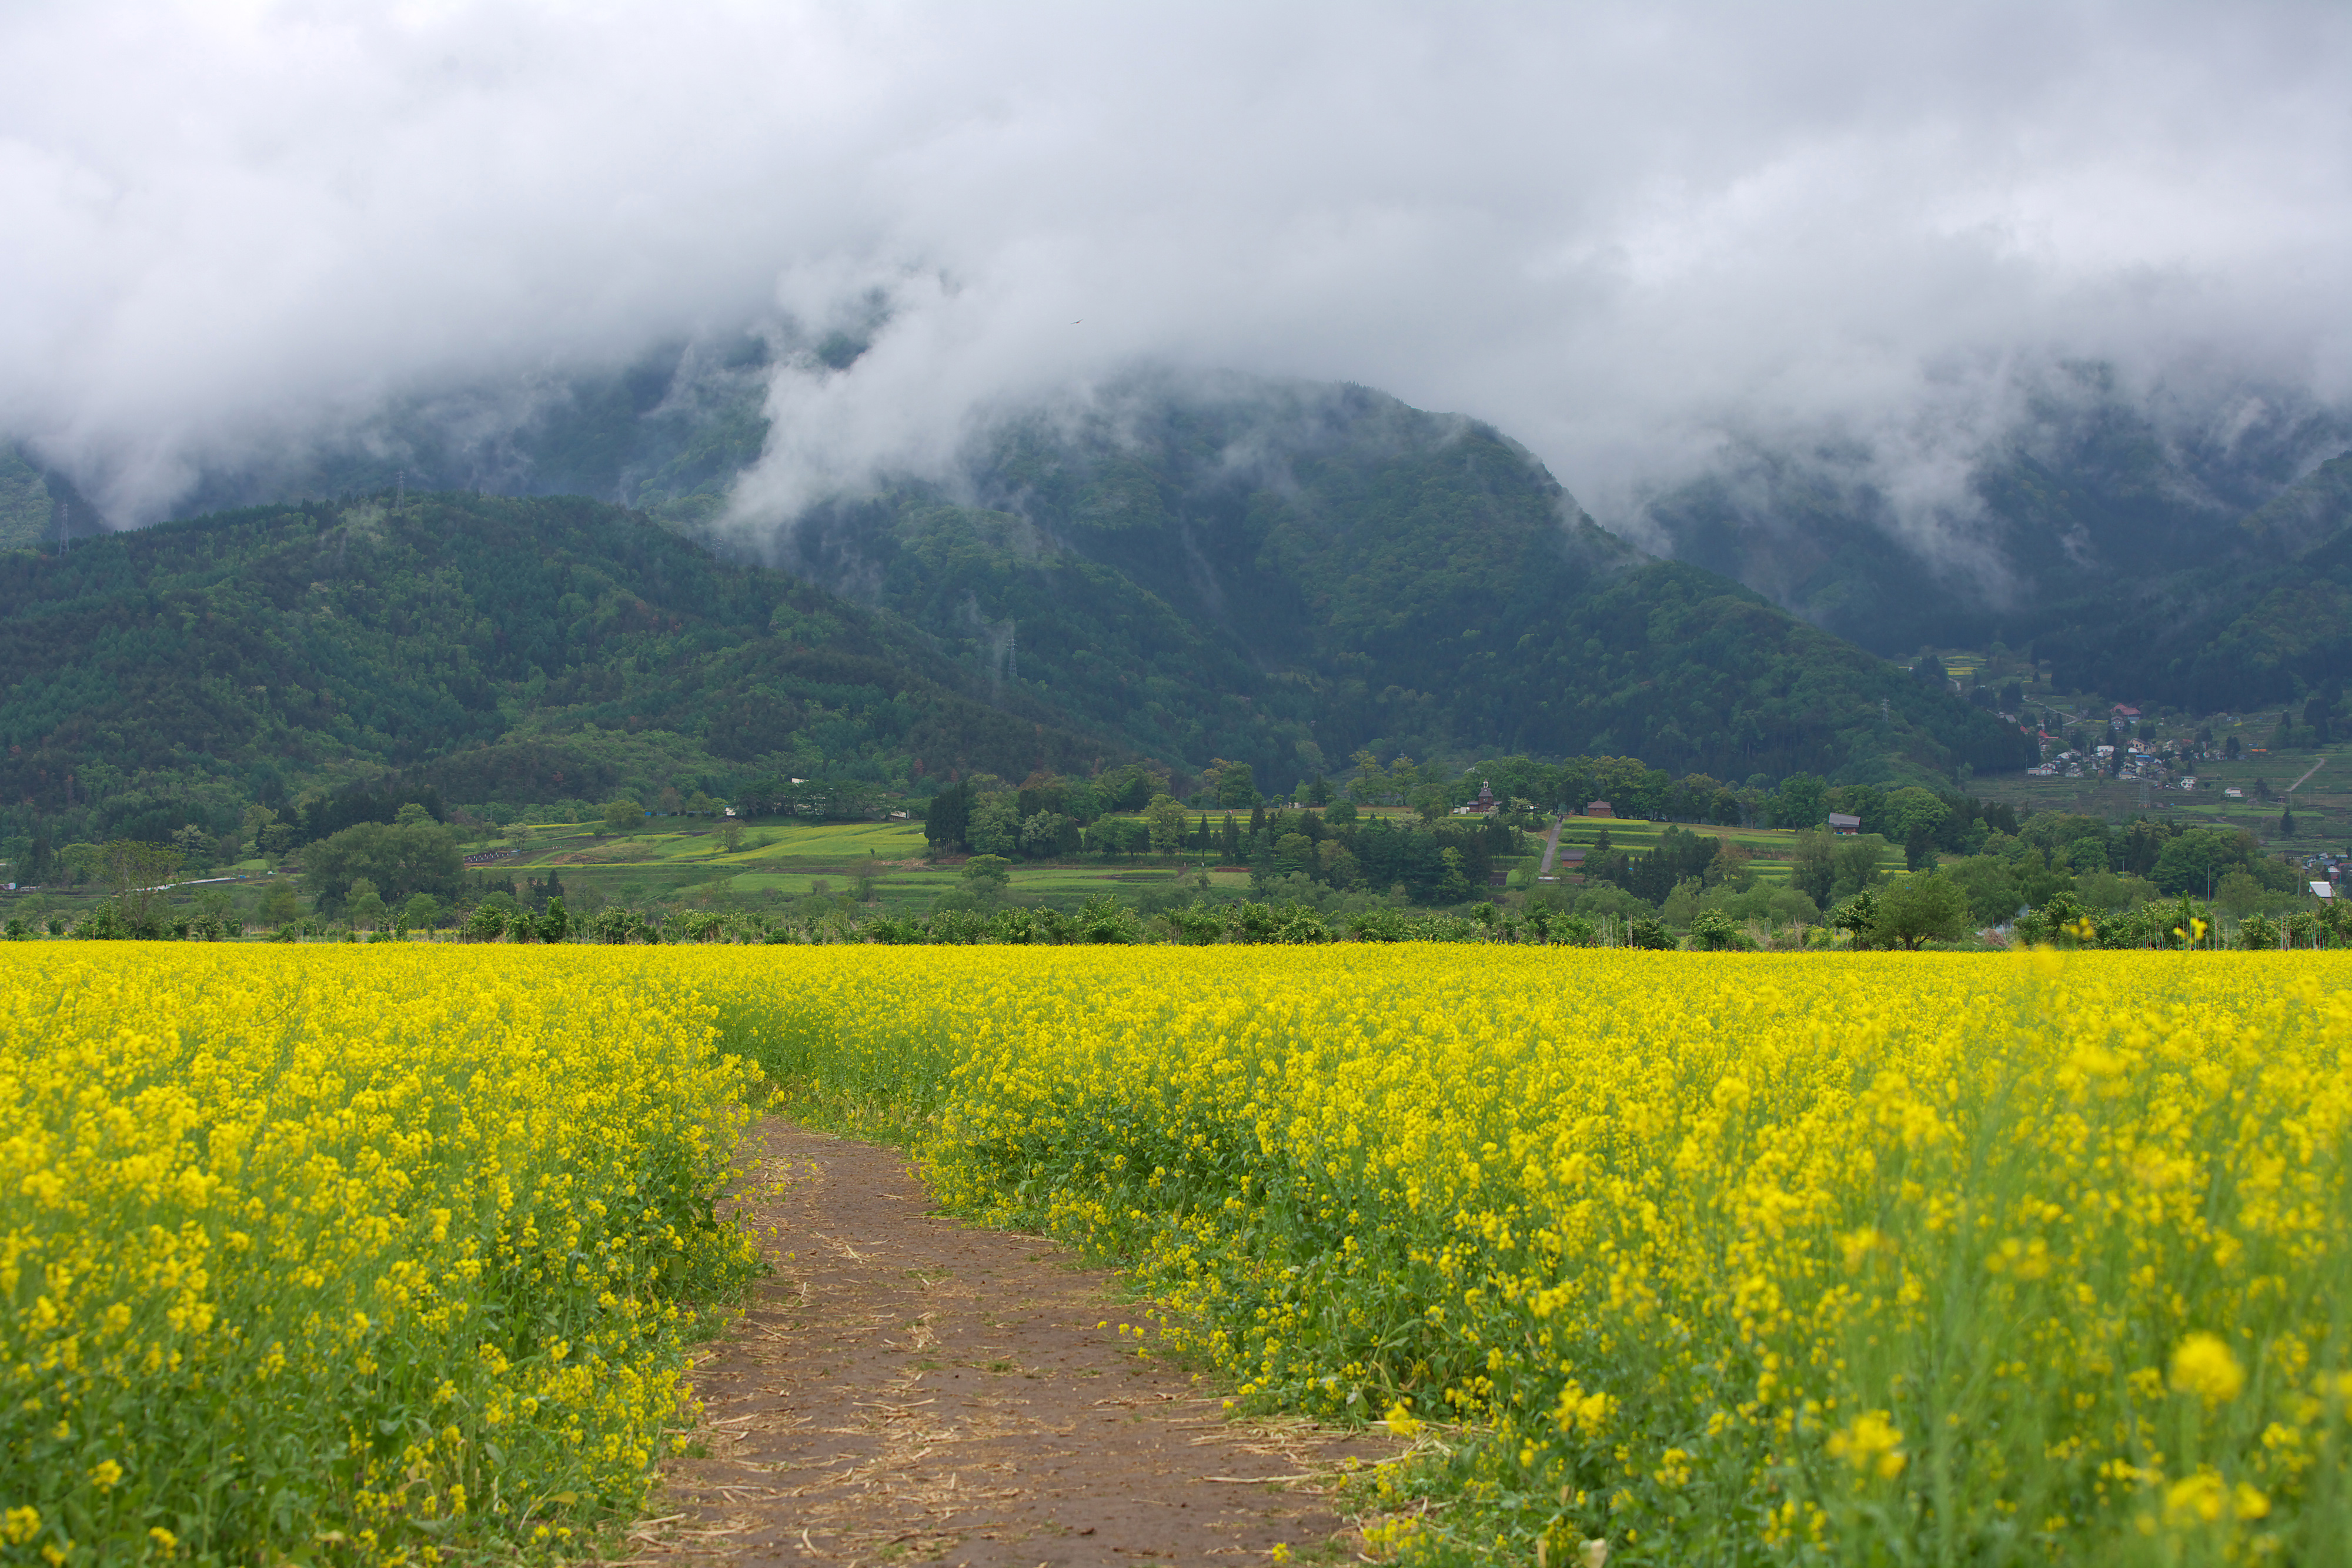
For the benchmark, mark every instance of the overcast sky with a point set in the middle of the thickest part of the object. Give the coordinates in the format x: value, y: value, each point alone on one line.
x: 1619, y: 232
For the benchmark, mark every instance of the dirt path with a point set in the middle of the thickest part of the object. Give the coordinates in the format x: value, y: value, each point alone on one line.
x: 906, y: 1389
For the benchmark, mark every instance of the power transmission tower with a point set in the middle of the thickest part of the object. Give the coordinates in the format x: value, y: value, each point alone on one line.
x: 399, y: 490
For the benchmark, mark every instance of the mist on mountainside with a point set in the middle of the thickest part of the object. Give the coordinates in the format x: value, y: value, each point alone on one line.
x: 2092, y: 486
x: 1800, y: 275
x: 2121, y: 536
x: 1289, y: 574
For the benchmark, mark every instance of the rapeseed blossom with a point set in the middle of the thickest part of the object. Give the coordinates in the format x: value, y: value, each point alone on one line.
x: 2204, y: 1367
x: 1739, y: 1258
x: 1712, y: 1258
x: 346, y: 1254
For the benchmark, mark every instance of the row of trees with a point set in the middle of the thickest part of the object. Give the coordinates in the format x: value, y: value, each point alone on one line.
x: 1001, y: 818
x: 2185, y: 922
x: 1433, y: 863
x: 1906, y: 915
x: 1911, y: 815
x: 1688, y: 875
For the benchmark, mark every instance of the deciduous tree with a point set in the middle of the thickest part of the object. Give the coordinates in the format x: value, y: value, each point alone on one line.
x: 1915, y: 909
x: 398, y: 861
x: 1165, y: 817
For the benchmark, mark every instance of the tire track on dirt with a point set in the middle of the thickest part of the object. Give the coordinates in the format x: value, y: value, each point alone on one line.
x: 905, y: 1388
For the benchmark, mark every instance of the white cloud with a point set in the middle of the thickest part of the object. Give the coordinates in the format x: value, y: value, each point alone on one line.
x: 1616, y: 231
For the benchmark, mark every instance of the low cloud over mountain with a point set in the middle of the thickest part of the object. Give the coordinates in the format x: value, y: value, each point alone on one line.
x: 1648, y: 241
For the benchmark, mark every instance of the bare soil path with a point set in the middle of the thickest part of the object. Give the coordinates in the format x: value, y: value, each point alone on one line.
x: 905, y: 1388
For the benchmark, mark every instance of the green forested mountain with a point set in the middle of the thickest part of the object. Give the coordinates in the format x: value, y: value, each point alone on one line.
x: 2187, y: 565
x: 2268, y: 620
x: 491, y: 648
x: 2145, y: 552
x: 1279, y: 574
x: 36, y: 504
x: 665, y: 433
x: 27, y: 515
x: 1285, y: 574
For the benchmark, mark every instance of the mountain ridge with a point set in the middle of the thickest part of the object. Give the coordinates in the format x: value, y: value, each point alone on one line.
x: 536, y: 649
x: 2088, y: 513
x: 1286, y: 574
x: 1368, y: 577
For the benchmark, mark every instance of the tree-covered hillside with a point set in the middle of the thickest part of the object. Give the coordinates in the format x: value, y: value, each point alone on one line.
x: 1287, y: 574
x: 2125, y: 545
x: 665, y: 433
x: 492, y: 648
x: 1281, y: 574
x: 2102, y: 526
x: 2269, y: 621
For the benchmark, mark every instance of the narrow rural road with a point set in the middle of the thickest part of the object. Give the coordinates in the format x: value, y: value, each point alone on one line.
x: 905, y: 1388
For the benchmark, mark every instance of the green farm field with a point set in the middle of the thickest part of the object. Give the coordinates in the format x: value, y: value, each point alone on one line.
x: 789, y: 859
x: 1772, y: 848
x: 792, y: 859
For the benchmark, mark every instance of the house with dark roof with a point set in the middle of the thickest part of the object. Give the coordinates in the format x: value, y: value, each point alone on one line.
x: 1484, y: 805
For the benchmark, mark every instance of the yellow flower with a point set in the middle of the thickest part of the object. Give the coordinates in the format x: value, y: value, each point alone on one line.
x: 2202, y: 1365
x: 1870, y: 1443
x: 1608, y: 1203
x: 2201, y: 1498
x: 1583, y: 1413
x: 2205, y: 1499
x: 337, y: 1150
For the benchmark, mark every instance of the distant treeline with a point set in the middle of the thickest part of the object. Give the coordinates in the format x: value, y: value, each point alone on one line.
x: 1862, y: 924
x: 1442, y: 862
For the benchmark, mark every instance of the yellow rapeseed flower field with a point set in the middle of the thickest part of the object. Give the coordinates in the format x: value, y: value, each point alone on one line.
x: 350, y: 1254
x: 1738, y: 1259
x: 1714, y: 1259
